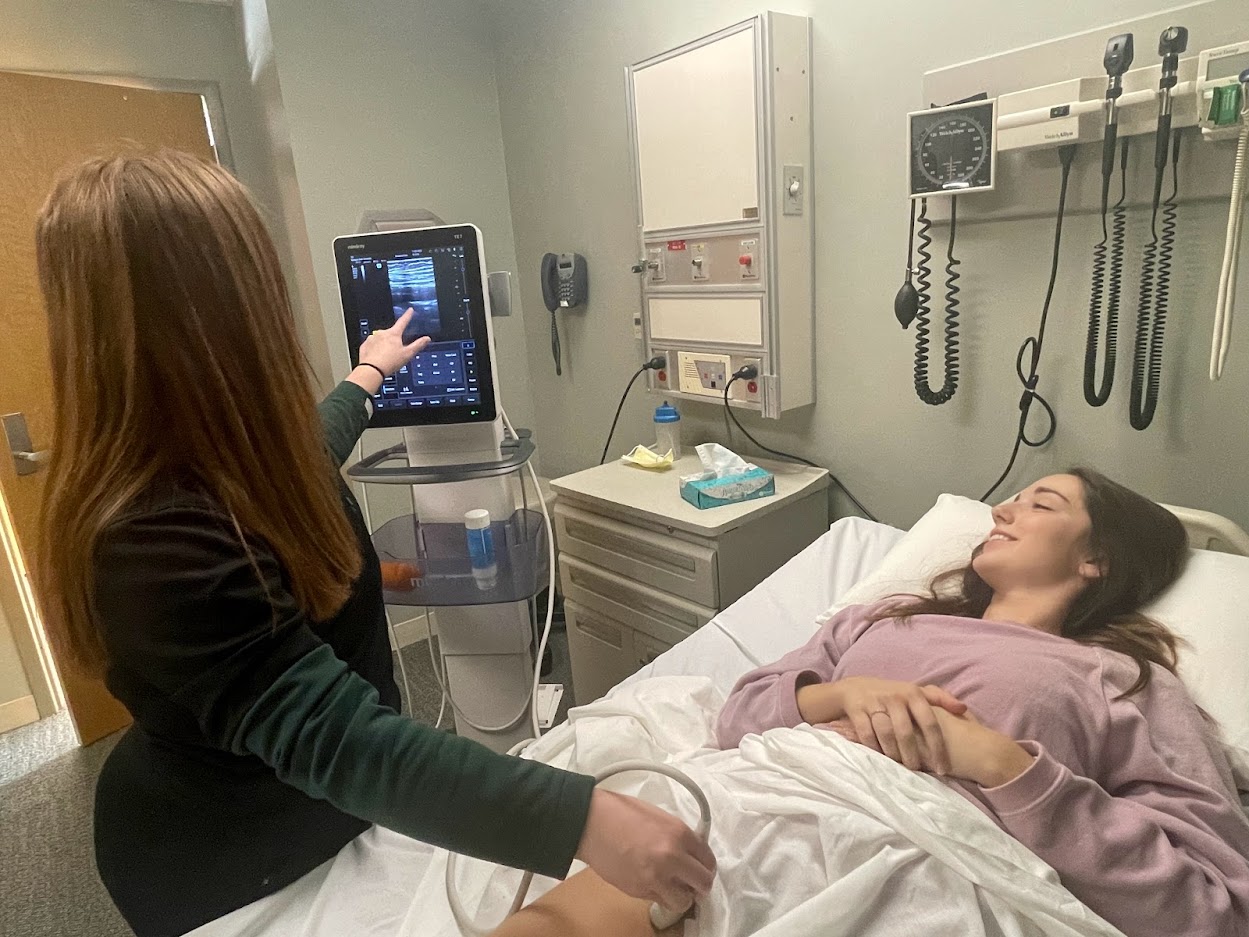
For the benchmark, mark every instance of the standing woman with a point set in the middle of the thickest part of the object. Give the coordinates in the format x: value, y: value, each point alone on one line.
x: 201, y: 552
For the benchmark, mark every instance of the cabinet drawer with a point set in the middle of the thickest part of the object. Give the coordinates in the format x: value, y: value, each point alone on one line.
x: 666, y: 563
x: 604, y: 651
x: 665, y: 617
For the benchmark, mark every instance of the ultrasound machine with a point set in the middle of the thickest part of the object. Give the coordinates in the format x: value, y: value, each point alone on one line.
x: 459, y: 459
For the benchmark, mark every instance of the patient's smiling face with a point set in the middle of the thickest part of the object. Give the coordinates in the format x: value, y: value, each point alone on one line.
x: 1040, y: 539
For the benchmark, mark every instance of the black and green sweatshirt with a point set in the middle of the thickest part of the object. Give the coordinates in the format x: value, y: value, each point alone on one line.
x: 264, y: 741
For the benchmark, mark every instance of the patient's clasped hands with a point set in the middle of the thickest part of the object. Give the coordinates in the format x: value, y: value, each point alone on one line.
x: 923, y: 727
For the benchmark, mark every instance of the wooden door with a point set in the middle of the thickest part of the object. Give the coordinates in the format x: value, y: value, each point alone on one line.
x: 46, y: 124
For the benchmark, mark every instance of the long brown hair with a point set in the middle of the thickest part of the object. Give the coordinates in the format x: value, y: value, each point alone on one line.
x: 174, y: 352
x: 1142, y: 549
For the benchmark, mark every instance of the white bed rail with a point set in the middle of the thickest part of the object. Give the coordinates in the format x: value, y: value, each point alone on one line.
x: 1210, y: 531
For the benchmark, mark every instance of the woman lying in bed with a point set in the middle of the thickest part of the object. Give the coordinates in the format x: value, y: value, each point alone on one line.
x: 1031, y: 682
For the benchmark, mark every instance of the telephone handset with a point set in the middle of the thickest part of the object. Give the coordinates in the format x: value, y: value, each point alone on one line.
x: 565, y: 285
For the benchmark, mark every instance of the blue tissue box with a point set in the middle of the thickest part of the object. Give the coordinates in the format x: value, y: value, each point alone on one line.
x: 743, y: 486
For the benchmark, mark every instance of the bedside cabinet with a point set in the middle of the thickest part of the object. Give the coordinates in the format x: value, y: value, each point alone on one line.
x: 641, y: 569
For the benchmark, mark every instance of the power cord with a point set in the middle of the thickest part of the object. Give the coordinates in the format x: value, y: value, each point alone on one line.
x: 749, y: 373
x: 655, y: 364
x: 1033, y: 344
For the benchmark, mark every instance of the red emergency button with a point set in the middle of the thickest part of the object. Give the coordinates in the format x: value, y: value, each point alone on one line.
x: 752, y: 386
x: 746, y: 260
x: 663, y: 377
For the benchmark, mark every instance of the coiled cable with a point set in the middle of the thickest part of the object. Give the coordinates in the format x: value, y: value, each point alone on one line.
x: 1155, y: 296
x: 923, y: 319
x: 1095, y: 393
x: 555, y: 346
x: 1033, y: 344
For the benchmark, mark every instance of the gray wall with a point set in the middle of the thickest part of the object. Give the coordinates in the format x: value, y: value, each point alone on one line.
x: 559, y: 68
x: 392, y: 104
x: 287, y: 211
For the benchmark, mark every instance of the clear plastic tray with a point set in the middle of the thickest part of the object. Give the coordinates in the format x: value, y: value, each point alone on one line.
x: 440, y: 553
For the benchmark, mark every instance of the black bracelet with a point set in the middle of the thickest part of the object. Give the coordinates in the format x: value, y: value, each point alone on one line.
x: 365, y: 364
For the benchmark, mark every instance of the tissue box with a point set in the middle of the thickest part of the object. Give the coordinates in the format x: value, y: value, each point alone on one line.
x: 729, y: 489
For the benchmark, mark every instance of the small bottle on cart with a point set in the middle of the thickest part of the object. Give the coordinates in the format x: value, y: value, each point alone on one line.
x: 481, y: 548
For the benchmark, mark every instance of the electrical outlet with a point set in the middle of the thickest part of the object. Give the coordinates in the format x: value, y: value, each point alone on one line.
x: 747, y: 390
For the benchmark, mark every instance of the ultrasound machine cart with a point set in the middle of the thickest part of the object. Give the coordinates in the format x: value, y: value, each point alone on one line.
x: 459, y: 458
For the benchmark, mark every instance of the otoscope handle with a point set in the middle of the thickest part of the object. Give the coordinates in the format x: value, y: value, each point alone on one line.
x: 1108, y: 150
x: 1162, y: 142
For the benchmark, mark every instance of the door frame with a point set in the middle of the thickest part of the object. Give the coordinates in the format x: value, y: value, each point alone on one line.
x: 18, y: 602
x: 16, y: 595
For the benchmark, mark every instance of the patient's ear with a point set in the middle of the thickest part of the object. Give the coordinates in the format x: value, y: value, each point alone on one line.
x: 1092, y: 568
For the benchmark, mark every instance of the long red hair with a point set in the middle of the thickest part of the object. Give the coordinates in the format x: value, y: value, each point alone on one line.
x: 174, y: 351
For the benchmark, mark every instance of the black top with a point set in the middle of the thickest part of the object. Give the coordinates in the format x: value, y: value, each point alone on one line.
x: 263, y: 741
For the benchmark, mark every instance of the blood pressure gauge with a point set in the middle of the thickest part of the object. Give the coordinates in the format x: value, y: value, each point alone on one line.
x: 952, y: 149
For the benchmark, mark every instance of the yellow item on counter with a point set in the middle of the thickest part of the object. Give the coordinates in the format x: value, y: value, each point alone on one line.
x: 644, y: 457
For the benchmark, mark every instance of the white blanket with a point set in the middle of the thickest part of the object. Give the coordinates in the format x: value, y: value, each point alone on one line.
x: 814, y: 835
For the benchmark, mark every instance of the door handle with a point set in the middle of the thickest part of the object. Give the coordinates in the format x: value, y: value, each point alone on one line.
x: 26, y: 458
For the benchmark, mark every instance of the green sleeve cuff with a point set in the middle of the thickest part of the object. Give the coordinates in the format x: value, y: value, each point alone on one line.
x: 321, y: 728
x: 344, y: 417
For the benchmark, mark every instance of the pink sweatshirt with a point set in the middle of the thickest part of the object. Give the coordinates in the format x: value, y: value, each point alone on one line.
x: 1130, y: 800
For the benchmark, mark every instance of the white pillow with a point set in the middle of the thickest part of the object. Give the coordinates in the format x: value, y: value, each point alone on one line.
x: 1208, y: 607
x: 940, y: 540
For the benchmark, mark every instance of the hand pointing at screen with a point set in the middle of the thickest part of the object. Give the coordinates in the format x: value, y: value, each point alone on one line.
x: 384, y: 352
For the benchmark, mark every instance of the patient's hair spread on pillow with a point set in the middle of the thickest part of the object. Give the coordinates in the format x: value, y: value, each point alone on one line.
x: 1142, y: 549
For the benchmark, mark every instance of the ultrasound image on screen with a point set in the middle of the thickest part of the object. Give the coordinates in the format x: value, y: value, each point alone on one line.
x: 431, y: 283
x: 412, y: 285
x: 381, y: 277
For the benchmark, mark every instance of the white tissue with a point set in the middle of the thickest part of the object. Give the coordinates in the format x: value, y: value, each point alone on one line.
x: 718, y: 462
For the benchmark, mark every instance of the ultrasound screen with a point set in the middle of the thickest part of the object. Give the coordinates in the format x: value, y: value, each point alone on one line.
x: 380, y: 281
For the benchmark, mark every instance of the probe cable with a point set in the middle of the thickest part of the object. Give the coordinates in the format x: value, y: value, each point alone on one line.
x: 1033, y: 344
x: 660, y: 916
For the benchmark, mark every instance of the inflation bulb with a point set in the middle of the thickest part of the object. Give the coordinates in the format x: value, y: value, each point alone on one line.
x: 906, y: 302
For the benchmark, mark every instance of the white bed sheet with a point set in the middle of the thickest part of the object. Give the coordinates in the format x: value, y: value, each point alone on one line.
x: 779, y: 614
x: 368, y: 888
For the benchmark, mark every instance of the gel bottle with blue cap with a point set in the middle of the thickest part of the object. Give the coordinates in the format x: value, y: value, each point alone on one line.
x: 667, y: 430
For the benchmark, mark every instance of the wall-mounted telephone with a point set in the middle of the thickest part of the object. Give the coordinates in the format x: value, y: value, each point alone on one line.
x: 565, y: 285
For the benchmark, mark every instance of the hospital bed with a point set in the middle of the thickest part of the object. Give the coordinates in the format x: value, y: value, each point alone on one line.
x: 386, y: 884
